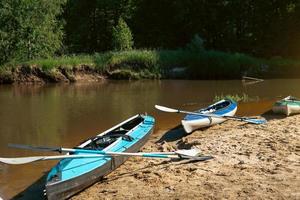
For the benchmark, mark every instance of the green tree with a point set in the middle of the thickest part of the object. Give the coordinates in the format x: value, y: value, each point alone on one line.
x: 30, y: 29
x: 89, y: 24
x: 196, y: 44
x: 121, y: 36
x: 260, y: 28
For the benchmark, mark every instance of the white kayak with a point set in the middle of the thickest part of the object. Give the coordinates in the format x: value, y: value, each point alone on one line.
x: 226, y: 107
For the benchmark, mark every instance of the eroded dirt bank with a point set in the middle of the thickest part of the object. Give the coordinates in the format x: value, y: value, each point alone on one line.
x: 251, y: 162
x: 33, y: 74
x: 36, y: 75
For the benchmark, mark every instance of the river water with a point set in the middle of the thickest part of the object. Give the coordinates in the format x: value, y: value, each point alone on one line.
x: 64, y: 115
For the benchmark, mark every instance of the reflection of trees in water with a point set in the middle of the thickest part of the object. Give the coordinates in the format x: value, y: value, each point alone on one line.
x: 50, y: 114
x: 31, y: 114
x: 133, y: 97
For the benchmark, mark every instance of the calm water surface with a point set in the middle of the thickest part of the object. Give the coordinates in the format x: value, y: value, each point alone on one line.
x: 64, y: 115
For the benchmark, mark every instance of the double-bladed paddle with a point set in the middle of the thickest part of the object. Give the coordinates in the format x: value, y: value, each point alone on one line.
x: 187, y: 152
x: 192, y: 154
x: 245, y: 119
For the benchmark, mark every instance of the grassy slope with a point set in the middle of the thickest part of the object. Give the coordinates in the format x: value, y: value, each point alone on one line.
x: 138, y: 64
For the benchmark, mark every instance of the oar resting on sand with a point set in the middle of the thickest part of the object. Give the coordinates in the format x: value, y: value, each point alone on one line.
x: 191, y: 154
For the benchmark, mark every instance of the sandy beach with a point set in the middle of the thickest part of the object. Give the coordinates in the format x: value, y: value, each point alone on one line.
x: 250, y: 162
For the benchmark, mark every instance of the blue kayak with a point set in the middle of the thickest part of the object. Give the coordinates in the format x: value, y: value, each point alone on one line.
x: 70, y: 176
x: 225, y: 107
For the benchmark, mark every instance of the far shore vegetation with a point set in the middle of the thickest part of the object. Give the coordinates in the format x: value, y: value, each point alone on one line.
x: 236, y: 97
x: 155, y: 64
x: 45, y: 38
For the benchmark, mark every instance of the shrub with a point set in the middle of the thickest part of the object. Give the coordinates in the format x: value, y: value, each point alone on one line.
x: 236, y: 97
x: 196, y: 44
x: 121, y: 36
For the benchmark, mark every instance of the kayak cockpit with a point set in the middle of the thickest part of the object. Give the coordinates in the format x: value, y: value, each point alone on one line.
x: 219, y: 108
x: 102, y: 141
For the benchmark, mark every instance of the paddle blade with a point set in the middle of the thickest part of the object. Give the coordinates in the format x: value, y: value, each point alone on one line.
x: 256, y: 121
x: 192, y: 154
x: 188, y: 152
x: 24, y: 160
x: 19, y: 161
x: 34, y: 148
x: 165, y: 109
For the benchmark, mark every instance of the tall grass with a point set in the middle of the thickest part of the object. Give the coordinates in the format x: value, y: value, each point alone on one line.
x: 205, y: 64
x: 236, y: 97
x: 63, y: 61
x: 135, y: 59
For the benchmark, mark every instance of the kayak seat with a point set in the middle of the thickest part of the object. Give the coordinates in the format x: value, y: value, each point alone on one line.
x: 101, y: 142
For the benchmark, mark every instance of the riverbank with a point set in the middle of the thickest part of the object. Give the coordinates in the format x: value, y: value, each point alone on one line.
x: 147, y: 64
x: 257, y: 162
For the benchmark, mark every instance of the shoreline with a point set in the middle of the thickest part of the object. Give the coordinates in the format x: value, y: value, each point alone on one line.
x: 250, y: 162
x: 26, y: 74
x: 147, y: 64
x: 34, y: 75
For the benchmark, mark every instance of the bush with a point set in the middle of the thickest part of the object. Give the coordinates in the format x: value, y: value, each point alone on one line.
x: 236, y: 97
x: 121, y: 36
x: 196, y: 44
x: 30, y: 29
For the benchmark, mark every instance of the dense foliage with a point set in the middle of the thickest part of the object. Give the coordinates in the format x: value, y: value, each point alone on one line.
x: 255, y: 27
x: 29, y: 29
x: 39, y: 28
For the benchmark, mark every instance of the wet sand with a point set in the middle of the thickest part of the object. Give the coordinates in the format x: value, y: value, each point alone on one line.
x: 251, y: 162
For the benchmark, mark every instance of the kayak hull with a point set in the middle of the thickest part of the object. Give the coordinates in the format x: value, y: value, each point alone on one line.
x: 287, y: 106
x: 190, y: 125
x: 64, y: 189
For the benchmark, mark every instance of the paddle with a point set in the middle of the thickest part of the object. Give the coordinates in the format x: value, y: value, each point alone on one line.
x: 246, y: 119
x: 24, y: 160
x: 179, y: 154
x: 186, y: 152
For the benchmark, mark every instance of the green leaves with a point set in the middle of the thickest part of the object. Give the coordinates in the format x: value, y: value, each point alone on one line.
x: 121, y: 37
x: 29, y: 29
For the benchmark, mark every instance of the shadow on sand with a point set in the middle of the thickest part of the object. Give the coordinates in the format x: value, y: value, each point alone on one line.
x: 269, y: 115
x: 172, y: 135
x: 176, y: 134
x: 34, y: 191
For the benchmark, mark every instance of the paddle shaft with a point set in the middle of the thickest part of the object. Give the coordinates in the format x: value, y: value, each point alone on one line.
x: 214, y: 115
x: 75, y: 150
x: 192, y: 154
x: 107, y: 153
x: 24, y: 160
x: 246, y: 119
x: 183, y: 152
x: 207, y: 115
